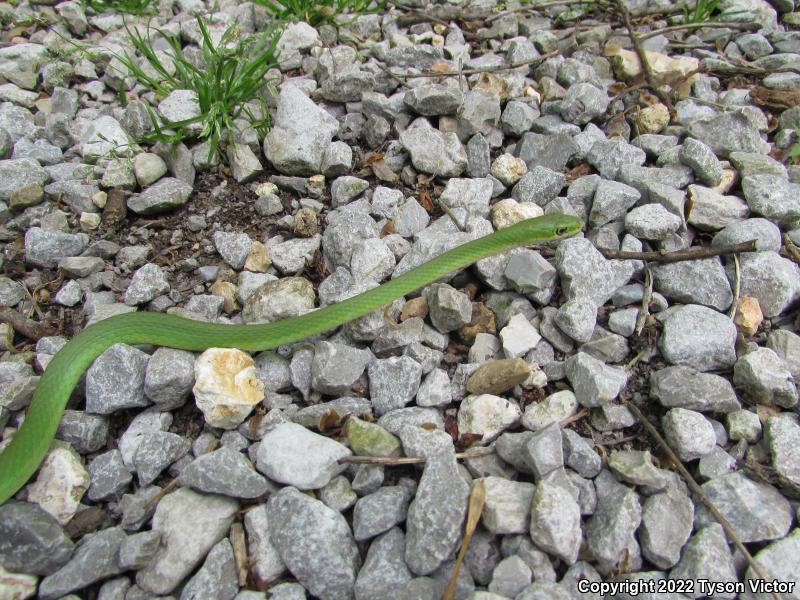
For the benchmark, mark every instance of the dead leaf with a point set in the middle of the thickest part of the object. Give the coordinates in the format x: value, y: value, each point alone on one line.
x: 451, y: 426
x: 425, y: 200
x: 776, y: 99
x: 466, y: 440
x: 388, y: 229
x: 477, y: 500
x: 577, y: 172
x: 331, y: 424
x: 371, y: 158
x: 441, y: 67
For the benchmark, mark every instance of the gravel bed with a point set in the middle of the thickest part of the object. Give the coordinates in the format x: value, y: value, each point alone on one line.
x: 394, y: 137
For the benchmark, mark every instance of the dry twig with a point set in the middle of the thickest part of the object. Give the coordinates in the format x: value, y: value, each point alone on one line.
x: 391, y: 461
x: 660, y: 256
x: 31, y: 329
x: 696, y: 489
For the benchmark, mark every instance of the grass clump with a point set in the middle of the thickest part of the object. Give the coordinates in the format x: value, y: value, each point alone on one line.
x: 131, y: 7
x: 315, y: 12
x: 233, y: 75
x: 703, y: 11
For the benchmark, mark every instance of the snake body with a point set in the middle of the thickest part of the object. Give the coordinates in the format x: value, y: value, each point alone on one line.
x: 28, y: 447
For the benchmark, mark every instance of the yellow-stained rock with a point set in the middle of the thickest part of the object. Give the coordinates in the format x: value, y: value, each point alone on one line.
x: 226, y: 387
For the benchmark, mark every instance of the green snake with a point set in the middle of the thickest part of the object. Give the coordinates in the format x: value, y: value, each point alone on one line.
x: 28, y: 447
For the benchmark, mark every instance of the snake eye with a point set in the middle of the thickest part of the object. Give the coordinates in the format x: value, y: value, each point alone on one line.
x: 561, y: 230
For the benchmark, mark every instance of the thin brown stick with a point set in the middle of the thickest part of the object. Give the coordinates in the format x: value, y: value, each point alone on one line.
x: 719, y: 24
x: 458, y: 73
x: 693, y: 253
x: 240, y: 557
x: 695, y: 487
x: 31, y: 329
x: 644, y: 309
x: 660, y: 256
x: 391, y: 461
x: 477, y: 499
x: 737, y: 286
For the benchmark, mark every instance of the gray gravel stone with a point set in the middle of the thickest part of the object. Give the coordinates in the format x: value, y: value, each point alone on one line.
x: 315, y: 543
x: 436, y: 515
x: 169, y: 377
x: 510, y: 576
x: 701, y: 159
x: 265, y: 561
x: 478, y: 156
x: 479, y: 113
x: 594, y: 382
x: 190, y: 524
x: 764, y: 378
x: 611, y: 202
x: 636, y: 467
x: 712, y: 211
x: 609, y: 532
x: 337, y: 367
x: 781, y: 562
x: 607, y: 156
x: 217, y: 577
x: 83, y: 431
x: 293, y: 455
x: 518, y: 337
x: 729, y: 132
x: 689, y: 433
x: 302, y: 131
x: 786, y: 345
x: 699, y: 337
x: 539, y: 185
x: 585, y: 273
x: 543, y: 452
x: 782, y: 436
x: 115, y: 380
x: 517, y: 118
x: 95, y: 559
x: 749, y: 163
x: 233, y: 247
x: 473, y: 195
x: 583, y: 102
x: 695, y: 282
x: 685, y: 387
x: 707, y: 556
x: 556, y: 521
x: 433, y: 151
x: 109, y: 476
x: 508, y: 505
x: 393, y: 382
x: 766, y: 234
x: 667, y: 520
x: 580, y: 455
x: 773, y: 197
x: 384, y: 574
x: 155, y: 452
x: 449, y: 309
x: 31, y: 540
x: 225, y: 471
x: 550, y: 151
x: 378, y: 512
x: 147, y: 283
x: 45, y: 248
x: 18, y: 173
x: 433, y: 99
x: 138, y: 549
x: 167, y: 194
x: 773, y: 280
x: 652, y: 222
x: 756, y: 511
